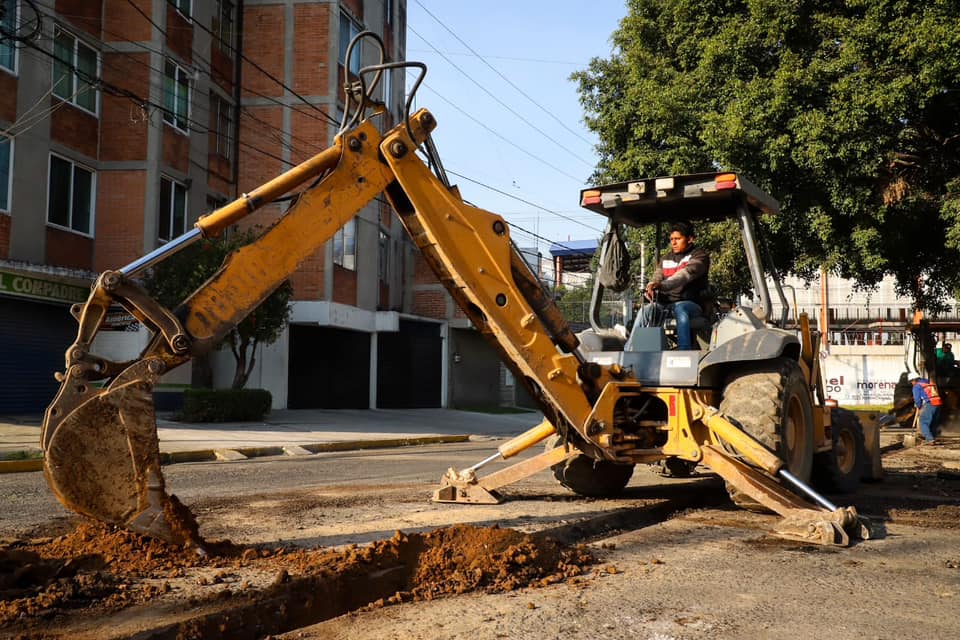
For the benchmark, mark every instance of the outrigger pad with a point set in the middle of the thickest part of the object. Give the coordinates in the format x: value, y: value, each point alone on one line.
x: 827, y: 527
x: 464, y: 489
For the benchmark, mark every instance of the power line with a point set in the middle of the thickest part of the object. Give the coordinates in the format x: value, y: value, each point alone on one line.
x: 196, y: 105
x: 498, y: 100
x: 496, y: 71
x: 504, y: 138
x: 252, y: 63
x: 193, y: 125
x: 511, y: 59
x: 532, y: 204
x: 111, y: 89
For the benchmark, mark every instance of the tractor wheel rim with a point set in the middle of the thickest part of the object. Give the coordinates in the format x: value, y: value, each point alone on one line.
x: 791, y: 434
x: 845, y: 451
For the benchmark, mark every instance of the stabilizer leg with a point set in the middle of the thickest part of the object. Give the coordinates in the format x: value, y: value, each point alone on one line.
x: 465, y: 487
x: 802, y: 520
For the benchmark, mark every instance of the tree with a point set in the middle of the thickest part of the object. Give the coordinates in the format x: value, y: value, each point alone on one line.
x: 847, y: 111
x: 173, y: 280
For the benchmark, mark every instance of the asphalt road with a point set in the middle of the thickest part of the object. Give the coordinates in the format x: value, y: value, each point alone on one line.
x: 29, y: 505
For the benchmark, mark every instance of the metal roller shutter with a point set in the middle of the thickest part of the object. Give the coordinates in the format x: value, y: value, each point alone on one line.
x: 408, y: 366
x: 328, y: 368
x: 33, y: 340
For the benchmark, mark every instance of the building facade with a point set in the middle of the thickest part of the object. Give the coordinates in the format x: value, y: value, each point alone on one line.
x: 123, y: 121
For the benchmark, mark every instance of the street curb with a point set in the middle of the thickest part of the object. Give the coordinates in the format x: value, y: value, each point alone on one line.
x: 209, y: 455
x: 21, y: 466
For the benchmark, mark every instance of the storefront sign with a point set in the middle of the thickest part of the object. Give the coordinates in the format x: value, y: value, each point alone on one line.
x: 18, y: 284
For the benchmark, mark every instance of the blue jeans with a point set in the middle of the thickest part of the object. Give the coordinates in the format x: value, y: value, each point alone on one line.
x: 928, y: 418
x: 683, y: 311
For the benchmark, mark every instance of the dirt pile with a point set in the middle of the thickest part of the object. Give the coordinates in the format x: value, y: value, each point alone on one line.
x: 95, y: 571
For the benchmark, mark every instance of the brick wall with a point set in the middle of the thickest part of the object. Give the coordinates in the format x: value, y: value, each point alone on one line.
x: 124, y: 126
x: 221, y: 70
x: 311, y: 130
x: 119, y: 221
x: 431, y: 303
x: 176, y: 149
x: 66, y: 249
x: 355, y: 7
x: 311, y: 31
x: 74, y: 128
x: 262, y: 35
x: 256, y: 168
x: 384, y: 300
x: 422, y: 273
x: 8, y: 97
x: 123, y: 22
x: 179, y: 34
x: 308, y: 279
x: 4, y: 236
x: 81, y: 14
x: 344, y: 285
x: 218, y: 174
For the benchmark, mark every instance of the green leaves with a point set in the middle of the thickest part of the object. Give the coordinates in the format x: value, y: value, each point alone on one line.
x: 847, y: 111
x: 172, y: 281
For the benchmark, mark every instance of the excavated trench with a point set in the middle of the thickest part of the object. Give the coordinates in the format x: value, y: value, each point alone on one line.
x: 98, y: 582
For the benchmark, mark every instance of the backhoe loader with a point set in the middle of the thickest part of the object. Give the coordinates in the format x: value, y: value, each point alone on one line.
x: 605, y: 409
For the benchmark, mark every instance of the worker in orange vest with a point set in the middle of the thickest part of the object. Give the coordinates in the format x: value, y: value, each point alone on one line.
x: 927, y: 400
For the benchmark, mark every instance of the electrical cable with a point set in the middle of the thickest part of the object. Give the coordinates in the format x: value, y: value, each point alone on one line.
x: 496, y: 71
x: 197, y: 127
x: 251, y: 62
x: 499, y: 101
x: 504, y: 138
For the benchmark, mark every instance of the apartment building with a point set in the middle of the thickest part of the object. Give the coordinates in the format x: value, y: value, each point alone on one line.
x: 123, y: 121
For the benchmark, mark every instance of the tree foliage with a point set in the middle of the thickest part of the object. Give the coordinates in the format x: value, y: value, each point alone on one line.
x: 173, y: 280
x: 847, y: 111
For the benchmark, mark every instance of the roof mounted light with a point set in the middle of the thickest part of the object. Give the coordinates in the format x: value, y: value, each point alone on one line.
x: 590, y: 196
x: 725, y: 181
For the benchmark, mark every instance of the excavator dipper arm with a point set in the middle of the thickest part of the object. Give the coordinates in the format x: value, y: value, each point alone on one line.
x: 99, y: 435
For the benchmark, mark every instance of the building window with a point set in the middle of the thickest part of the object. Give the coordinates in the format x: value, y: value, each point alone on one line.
x: 70, y: 197
x: 74, y: 71
x: 6, y: 166
x: 383, y: 263
x: 183, y: 6
x: 8, y: 25
x: 387, y: 84
x: 349, y: 30
x: 221, y: 112
x: 345, y: 245
x: 173, y: 210
x: 223, y: 25
x: 176, y: 95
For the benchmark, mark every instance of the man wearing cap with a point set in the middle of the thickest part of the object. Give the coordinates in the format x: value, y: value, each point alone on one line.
x: 927, y: 400
x: 680, y: 280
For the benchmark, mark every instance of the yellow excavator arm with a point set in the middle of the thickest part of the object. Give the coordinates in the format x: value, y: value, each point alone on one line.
x: 99, y: 434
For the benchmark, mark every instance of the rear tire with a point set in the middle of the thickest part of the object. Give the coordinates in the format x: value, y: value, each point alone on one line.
x: 772, y: 404
x: 588, y: 477
x: 840, y: 469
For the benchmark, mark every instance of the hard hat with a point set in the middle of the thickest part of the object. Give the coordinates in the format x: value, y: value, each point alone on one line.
x: 913, y: 376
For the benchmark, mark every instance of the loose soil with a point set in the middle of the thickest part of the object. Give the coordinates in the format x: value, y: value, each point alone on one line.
x: 96, y: 571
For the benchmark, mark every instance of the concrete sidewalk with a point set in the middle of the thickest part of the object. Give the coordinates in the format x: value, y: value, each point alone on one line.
x: 288, y: 431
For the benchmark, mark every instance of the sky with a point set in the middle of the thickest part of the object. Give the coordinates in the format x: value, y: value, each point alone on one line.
x: 482, y: 57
